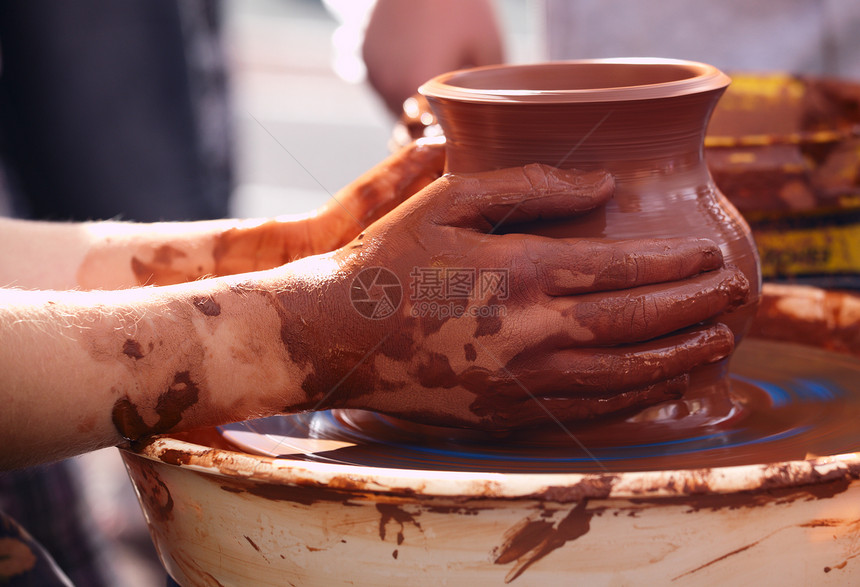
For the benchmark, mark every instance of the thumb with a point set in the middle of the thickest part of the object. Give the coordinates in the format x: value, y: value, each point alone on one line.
x: 490, y: 200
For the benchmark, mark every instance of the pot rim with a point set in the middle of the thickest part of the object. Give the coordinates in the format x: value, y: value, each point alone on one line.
x: 561, y: 487
x: 693, y: 77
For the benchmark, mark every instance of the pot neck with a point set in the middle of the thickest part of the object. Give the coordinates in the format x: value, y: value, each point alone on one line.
x: 631, y: 139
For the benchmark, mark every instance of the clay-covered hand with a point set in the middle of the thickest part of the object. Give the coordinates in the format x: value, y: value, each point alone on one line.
x: 120, y: 255
x: 432, y: 315
x: 339, y: 220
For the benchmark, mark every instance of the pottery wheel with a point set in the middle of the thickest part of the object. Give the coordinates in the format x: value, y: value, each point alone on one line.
x: 793, y: 402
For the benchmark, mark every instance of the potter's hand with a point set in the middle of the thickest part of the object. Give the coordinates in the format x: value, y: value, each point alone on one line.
x: 117, y: 255
x: 432, y: 316
x: 380, y: 190
x: 348, y: 212
x: 560, y: 320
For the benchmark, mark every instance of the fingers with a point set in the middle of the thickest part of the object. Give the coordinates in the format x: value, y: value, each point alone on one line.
x: 573, y: 266
x: 576, y: 384
x: 390, y: 182
x: 598, y: 372
x: 646, y: 312
x: 489, y: 200
x: 417, y: 165
x: 542, y: 409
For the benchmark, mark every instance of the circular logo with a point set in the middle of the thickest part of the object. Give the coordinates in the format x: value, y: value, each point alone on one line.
x: 376, y: 293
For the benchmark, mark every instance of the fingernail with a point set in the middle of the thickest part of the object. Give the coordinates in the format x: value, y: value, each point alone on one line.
x: 722, y: 339
x: 737, y: 286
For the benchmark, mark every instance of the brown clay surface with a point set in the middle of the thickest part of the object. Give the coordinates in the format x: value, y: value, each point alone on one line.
x: 643, y: 123
x: 811, y: 316
x: 780, y: 143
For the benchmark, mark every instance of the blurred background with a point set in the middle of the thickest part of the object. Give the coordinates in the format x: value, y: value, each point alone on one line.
x: 306, y: 123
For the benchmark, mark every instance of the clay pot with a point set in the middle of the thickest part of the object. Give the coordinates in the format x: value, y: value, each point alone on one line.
x: 642, y: 120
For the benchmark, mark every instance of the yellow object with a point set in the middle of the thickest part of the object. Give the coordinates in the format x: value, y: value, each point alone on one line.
x: 749, y: 89
x: 813, y: 250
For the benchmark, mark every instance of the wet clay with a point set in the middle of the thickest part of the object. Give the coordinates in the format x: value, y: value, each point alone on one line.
x: 182, y: 394
x: 812, y: 316
x: 534, y: 539
x: 644, y: 122
x: 791, y: 403
x: 162, y: 268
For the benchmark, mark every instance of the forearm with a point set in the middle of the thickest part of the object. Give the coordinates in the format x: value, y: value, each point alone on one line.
x: 84, y: 370
x: 126, y: 255
x: 115, y: 255
x: 337, y: 222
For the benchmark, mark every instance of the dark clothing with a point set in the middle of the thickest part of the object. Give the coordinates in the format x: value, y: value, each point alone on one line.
x: 46, y: 500
x: 23, y: 562
x: 113, y: 110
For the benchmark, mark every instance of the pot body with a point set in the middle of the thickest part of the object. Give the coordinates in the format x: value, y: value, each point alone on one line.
x: 644, y: 122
